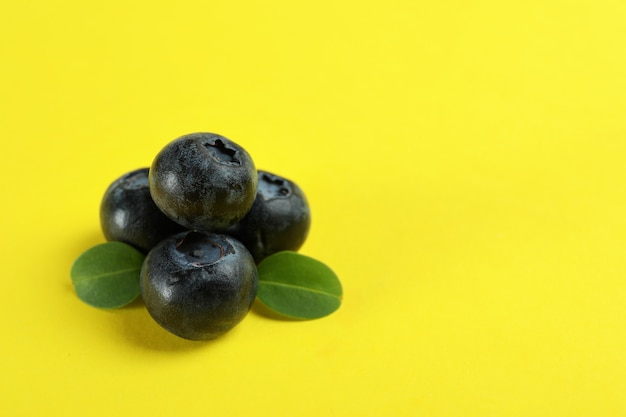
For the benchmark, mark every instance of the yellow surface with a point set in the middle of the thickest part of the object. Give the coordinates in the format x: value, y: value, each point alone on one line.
x: 465, y: 166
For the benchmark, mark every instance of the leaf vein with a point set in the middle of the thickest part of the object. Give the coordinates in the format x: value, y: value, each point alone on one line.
x: 106, y: 274
x: 282, y: 284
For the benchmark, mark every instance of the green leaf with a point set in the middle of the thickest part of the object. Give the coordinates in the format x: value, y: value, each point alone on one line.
x: 298, y: 286
x: 107, y: 275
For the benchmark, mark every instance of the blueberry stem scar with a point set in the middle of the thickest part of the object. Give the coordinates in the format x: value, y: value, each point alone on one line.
x: 221, y: 152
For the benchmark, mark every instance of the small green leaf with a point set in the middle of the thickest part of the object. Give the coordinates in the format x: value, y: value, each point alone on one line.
x: 298, y: 286
x: 107, y: 275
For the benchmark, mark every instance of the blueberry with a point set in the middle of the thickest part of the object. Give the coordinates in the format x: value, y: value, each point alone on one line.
x: 198, y: 285
x: 128, y: 214
x: 279, y: 219
x: 203, y: 181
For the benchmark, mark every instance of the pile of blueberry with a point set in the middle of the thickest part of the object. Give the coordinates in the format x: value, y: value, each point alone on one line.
x: 205, y: 217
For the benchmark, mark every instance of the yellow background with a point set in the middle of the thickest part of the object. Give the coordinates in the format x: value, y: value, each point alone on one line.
x: 465, y: 166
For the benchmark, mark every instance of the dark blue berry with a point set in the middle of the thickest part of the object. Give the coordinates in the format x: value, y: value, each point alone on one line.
x: 279, y: 219
x: 199, y: 285
x: 128, y: 214
x: 203, y: 181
